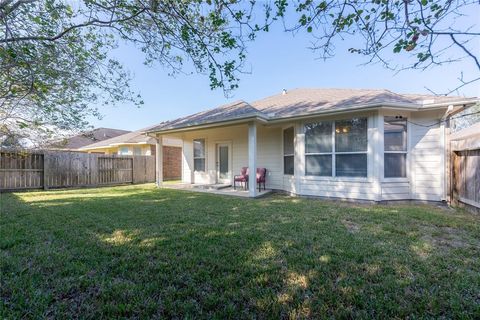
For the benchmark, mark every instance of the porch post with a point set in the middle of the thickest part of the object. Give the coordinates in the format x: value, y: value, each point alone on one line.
x: 159, y: 161
x: 252, y: 159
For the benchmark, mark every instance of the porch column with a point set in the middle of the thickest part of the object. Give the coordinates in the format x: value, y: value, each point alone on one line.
x: 252, y: 159
x: 159, y: 161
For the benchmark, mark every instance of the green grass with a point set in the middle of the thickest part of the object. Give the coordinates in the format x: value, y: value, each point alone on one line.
x: 139, y: 252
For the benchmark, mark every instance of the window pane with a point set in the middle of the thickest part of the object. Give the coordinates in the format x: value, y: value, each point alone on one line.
x: 395, y: 165
x: 137, y: 151
x: 351, y: 165
x: 123, y: 150
x: 318, y: 137
x: 199, y: 148
x: 351, y: 135
x: 318, y: 165
x: 199, y: 164
x: 288, y: 165
x: 395, y: 134
x: 288, y: 139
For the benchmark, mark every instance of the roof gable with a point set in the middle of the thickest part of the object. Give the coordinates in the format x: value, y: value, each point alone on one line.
x: 231, y: 111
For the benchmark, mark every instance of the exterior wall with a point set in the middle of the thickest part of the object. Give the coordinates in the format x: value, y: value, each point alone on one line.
x: 425, y: 159
x: 428, y: 157
x: 268, y: 154
x: 363, y: 188
x: 395, y: 188
x: 235, y: 135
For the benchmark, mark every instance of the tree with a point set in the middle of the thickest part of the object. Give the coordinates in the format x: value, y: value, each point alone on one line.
x: 56, y: 62
x: 429, y: 32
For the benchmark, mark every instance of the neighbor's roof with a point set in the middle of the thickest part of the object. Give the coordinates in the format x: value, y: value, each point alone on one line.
x: 134, y: 137
x: 88, y: 137
x: 305, y: 102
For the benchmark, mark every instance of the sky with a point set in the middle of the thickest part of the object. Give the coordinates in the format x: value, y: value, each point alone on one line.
x: 275, y: 61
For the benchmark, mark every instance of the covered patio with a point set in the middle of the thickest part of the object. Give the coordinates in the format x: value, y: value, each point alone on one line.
x: 225, y: 190
x: 214, y: 156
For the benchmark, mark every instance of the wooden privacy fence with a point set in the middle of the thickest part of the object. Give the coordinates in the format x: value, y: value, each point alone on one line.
x: 60, y: 169
x: 465, y: 168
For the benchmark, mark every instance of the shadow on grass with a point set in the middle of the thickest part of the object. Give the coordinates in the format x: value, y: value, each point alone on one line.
x: 140, y: 252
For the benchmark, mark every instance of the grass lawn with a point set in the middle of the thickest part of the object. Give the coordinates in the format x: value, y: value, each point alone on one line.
x: 139, y: 252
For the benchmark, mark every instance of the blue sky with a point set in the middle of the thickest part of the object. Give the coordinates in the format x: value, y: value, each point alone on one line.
x: 276, y: 60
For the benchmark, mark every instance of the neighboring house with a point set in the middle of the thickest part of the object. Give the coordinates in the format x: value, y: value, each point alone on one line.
x: 342, y: 143
x: 88, y: 137
x: 137, y: 143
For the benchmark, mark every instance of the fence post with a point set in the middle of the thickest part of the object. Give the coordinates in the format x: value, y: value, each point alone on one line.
x: 45, y: 171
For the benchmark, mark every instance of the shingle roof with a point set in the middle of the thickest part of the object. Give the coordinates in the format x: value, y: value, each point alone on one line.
x: 128, y: 138
x: 300, y: 102
x: 89, y: 137
x: 305, y: 101
x: 231, y: 111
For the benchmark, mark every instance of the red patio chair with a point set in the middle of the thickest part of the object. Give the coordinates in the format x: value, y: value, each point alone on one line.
x: 261, y: 178
x: 242, y: 178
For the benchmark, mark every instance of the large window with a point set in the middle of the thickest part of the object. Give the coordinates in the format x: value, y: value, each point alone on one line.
x: 395, y: 147
x: 336, y: 148
x: 199, y: 155
x: 137, y: 151
x: 288, y: 151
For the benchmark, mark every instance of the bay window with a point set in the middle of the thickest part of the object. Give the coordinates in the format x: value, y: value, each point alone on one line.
x: 336, y: 148
x: 199, y: 155
x: 288, y: 151
x: 395, y: 147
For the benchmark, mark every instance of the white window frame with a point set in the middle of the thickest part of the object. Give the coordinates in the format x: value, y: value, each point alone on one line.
x: 288, y: 155
x: 204, y: 154
x: 407, y: 147
x: 333, y: 153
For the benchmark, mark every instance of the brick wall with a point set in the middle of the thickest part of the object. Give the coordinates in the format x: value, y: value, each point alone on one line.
x: 172, y: 162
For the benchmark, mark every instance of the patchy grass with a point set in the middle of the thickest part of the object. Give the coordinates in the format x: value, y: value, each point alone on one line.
x: 139, y: 252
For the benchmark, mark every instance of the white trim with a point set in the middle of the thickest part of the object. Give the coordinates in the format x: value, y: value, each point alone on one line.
x: 299, y: 161
x: 283, y: 149
x: 337, y: 179
x: 334, y: 153
x: 229, y: 144
x: 205, y: 146
x: 406, y: 152
x: 334, y: 160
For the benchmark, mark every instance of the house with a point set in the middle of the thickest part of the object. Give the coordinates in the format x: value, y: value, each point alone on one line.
x: 137, y: 143
x: 340, y: 143
x: 88, y: 137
